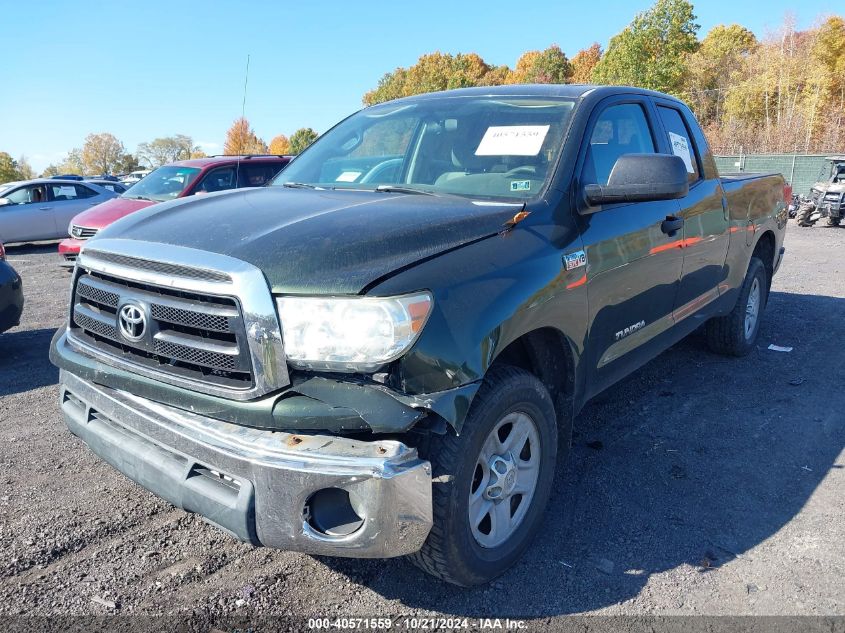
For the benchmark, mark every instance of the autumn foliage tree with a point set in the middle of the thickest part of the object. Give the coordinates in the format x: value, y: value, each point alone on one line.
x: 241, y: 139
x: 584, y: 63
x: 101, y: 153
x: 549, y: 66
x: 280, y: 145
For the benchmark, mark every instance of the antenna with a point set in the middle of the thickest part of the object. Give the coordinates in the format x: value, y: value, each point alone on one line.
x: 243, y: 118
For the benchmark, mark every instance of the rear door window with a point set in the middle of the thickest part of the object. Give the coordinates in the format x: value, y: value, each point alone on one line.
x: 258, y: 174
x: 620, y: 129
x: 680, y: 140
x: 84, y: 192
x: 62, y: 193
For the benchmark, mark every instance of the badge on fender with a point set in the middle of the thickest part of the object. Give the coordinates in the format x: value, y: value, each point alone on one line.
x: 575, y: 260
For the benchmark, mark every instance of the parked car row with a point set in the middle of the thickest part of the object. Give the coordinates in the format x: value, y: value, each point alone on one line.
x: 176, y: 180
x: 77, y: 208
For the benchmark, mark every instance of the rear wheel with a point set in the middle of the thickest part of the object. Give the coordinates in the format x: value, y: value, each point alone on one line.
x: 492, y: 482
x: 833, y: 221
x: 735, y: 334
x: 802, y: 217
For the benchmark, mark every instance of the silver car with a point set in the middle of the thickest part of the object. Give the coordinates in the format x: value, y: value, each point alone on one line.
x: 42, y: 209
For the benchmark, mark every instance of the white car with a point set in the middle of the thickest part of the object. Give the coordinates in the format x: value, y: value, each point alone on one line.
x: 135, y: 176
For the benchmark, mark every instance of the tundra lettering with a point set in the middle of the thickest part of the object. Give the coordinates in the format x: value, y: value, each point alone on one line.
x: 382, y: 352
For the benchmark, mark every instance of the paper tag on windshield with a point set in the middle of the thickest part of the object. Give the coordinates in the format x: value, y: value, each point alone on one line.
x: 348, y: 176
x: 680, y: 147
x: 512, y: 140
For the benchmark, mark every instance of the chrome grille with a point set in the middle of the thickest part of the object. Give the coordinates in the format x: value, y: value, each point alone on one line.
x: 186, y: 334
x: 82, y: 232
x: 193, y: 355
x: 199, y: 320
x: 165, y: 268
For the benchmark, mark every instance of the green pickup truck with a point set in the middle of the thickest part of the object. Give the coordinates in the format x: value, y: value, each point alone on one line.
x: 382, y: 352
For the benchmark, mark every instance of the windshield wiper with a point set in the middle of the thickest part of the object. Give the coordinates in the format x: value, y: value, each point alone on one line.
x: 402, y: 189
x: 300, y: 185
x: 141, y: 198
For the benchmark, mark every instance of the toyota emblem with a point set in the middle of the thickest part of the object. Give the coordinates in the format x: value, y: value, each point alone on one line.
x: 132, y: 322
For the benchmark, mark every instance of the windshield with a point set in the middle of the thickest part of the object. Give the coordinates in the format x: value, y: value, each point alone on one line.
x: 473, y: 146
x: 165, y: 183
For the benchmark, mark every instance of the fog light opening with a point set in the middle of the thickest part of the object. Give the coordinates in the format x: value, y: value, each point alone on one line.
x: 328, y: 511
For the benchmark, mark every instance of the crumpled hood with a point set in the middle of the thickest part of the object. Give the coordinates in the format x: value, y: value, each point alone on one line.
x: 109, y: 211
x: 317, y: 242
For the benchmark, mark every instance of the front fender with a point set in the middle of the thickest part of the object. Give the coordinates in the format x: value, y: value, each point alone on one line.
x: 487, y: 295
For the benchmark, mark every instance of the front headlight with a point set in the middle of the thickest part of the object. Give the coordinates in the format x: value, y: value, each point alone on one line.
x: 350, y: 333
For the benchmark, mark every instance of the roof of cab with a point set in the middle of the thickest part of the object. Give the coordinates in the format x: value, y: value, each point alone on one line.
x: 574, y: 91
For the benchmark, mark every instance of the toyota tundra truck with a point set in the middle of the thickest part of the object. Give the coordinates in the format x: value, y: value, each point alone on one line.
x: 381, y: 354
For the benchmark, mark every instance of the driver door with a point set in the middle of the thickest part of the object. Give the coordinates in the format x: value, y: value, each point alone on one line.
x: 28, y: 216
x: 634, y: 267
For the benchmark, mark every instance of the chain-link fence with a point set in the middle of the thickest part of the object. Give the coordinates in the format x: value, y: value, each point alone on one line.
x: 800, y: 170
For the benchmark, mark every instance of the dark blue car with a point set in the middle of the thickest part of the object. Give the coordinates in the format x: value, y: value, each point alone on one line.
x: 11, y: 294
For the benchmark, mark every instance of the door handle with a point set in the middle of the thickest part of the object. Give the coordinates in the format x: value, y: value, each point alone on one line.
x: 44, y: 208
x: 671, y: 225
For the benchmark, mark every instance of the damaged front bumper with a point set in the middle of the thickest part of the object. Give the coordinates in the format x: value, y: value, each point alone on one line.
x: 318, y: 494
x: 311, y: 403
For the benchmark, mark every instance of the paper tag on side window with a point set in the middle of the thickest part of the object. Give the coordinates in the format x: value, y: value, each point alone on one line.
x: 680, y: 147
x: 512, y: 140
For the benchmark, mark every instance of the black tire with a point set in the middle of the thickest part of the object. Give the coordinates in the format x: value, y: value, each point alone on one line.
x: 451, y: 552
x: 727, y: 334
x: 833, y: 221
x: 802, y: 217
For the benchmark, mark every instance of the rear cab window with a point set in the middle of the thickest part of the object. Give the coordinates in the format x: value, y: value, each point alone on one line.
x: 680, y: 140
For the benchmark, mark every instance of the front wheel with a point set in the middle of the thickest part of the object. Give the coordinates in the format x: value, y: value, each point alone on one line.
x: 492, y: 482
x: 802, y: 217
x: 736, y: 333
x: 831, y: 221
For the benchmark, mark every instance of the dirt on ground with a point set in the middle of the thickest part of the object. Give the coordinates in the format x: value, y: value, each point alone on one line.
x: 699, y: 485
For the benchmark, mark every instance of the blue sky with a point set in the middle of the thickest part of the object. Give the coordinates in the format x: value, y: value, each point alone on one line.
x: 150, y: 68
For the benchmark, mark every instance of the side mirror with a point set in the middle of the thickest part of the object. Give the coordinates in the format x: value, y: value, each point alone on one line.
x: 4, y: 202
x: 641, y: 178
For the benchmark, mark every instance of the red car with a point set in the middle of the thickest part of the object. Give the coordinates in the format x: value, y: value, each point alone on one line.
x: 176, y: 180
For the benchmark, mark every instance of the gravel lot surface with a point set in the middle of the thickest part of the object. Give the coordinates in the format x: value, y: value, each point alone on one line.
x: 700, y: 485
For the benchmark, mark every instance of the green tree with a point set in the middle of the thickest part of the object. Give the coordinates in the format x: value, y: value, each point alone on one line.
x: 301, y: 139
x: 128, y: 163
x: 51, y: 170
x: 165, y: 150
x: 434, y: 72
x: 73, y: 163
x: 390, y: 86
x: 241, y: 139
x: 101, y: 153
x: 25, y: 170
x: 653, y: 50
x: 549, y: 66
x: 714, y: 67
x: 8, y: 168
